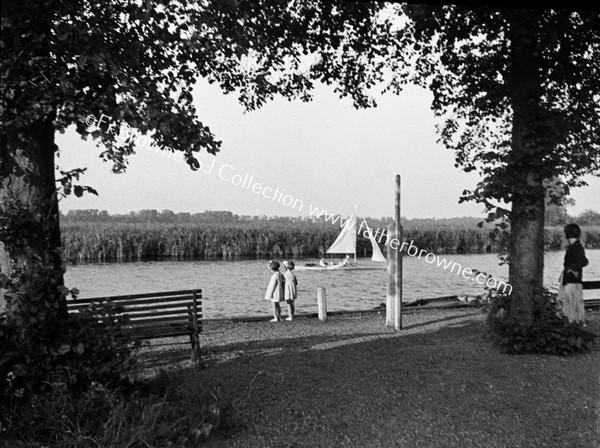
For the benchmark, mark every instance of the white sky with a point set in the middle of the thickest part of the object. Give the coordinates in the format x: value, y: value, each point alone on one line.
x: 323, y: 154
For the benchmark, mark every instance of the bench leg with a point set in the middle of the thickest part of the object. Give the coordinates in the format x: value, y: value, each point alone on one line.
x: 192, y: 342
x: 196, y: 348
x: 197, y: 328
x: 195, y: 343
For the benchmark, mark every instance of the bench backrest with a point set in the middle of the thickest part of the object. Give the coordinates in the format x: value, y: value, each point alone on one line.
x: 159, y: 314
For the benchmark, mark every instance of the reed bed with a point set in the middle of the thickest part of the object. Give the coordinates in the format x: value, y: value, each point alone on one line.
x: 122, y: 242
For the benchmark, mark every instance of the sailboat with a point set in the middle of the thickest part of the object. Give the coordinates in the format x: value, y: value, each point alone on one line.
x: 377, y: 254
x: 345, y: 243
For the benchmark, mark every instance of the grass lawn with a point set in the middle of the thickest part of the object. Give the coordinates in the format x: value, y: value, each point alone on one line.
x: 346, y: 382
x: 352, y: 382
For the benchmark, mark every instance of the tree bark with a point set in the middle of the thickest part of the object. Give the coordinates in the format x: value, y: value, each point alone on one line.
x: 28, y: 201
x: 4, y: 269
x: 28, y: 184
x: 526, y: 268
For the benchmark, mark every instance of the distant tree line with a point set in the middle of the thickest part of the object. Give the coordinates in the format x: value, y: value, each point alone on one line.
x: 93, y: 236
x: 151, y: 216
x: 555, y: 216
x: 558, y: 216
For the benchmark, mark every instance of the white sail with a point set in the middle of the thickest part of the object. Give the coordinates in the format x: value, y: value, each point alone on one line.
x: 377, y: 254
x: 345, y: 243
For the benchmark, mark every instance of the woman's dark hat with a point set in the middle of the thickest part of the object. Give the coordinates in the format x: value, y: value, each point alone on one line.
x: 572, y: 231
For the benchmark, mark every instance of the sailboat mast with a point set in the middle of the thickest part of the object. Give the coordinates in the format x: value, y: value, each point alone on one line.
x: 356, y: 239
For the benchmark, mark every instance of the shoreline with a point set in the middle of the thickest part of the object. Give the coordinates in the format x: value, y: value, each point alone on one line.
x: 241, y: 258
x: 408, y: 306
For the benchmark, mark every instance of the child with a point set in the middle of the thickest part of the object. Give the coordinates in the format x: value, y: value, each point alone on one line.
x: 291, y: 284
x: 570, y: 292
x: 275, y: 290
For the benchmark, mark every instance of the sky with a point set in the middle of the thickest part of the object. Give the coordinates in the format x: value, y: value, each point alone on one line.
x: 292, y: 158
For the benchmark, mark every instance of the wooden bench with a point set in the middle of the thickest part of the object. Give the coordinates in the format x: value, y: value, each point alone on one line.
x: 156, y: 315
x: 591, y: 303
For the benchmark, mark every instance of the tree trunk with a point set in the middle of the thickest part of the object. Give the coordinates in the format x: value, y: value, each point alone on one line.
x: 29, y: 205
x: 526, y: 269
x: 4, y: 269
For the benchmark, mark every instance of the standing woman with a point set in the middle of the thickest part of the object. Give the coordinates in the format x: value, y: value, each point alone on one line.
x: 570, y: 292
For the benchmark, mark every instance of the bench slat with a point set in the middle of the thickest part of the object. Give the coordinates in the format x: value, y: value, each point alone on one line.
x: 162, y: 321
x: 158, y: 320
x: 149, y: 322
x: 187, y: 292
x: 163, y: 333
x: 133, y: 335
x: 592, y: 285
x: 181, y: 326
x: 178, y: 315
x: 158, y: 334
x: 183, y: 313
x: 129, y: 302
x: 142, y: 308
x: 154, y: 329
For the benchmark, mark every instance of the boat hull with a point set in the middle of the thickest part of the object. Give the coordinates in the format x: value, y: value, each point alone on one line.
x: 322, y: 268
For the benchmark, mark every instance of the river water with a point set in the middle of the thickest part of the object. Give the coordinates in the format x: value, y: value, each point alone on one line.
x: 236, y: 288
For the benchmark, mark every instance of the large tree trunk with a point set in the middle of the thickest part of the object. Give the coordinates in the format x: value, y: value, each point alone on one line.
x: 526, y: 271
x: 29, y: 208
x: 4, y: 269
x: 28, y: 203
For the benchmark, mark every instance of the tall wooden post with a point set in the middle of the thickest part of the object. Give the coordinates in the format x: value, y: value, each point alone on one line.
x: 391, y: 281
x: 398, y: 256
x: 354, y: 230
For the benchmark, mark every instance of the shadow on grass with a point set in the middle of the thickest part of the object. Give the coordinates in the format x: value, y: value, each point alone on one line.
x: 446, y: 387
x: 158, y: 356
x: 444, y: 319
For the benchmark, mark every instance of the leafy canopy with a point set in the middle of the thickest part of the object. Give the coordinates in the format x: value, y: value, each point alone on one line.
x: 463, y: 55
x: 137, y: 62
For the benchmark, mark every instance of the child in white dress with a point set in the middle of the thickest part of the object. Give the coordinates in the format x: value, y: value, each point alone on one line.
x: 291, y: 288
x: 275, y: 290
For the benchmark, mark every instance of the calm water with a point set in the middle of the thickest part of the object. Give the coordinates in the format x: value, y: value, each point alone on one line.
x: 236, y: 288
